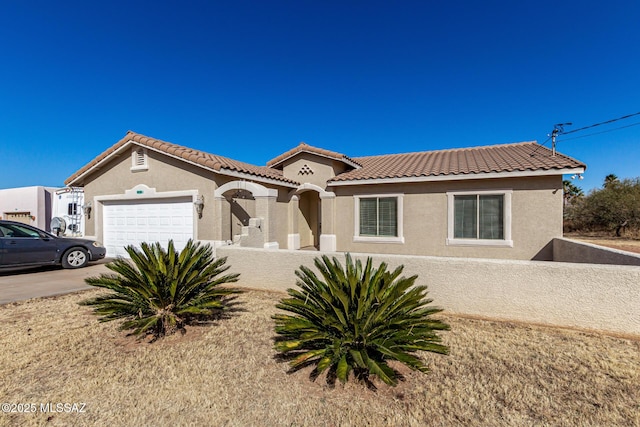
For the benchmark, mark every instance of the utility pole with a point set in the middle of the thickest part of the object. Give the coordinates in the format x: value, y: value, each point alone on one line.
x: 558, y: 128
x: 553, y: 141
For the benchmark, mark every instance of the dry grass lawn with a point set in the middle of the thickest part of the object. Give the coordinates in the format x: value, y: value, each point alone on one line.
x: 628, y: 244
x: 53, y: 350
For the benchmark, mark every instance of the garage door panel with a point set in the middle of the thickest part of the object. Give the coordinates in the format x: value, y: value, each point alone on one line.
x: 158, y: 220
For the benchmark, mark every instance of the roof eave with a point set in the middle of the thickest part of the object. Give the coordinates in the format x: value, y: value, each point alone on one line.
x: 98, y: 165
x: 458, y: 177
x: 221, y: 171
x: 257, y: 178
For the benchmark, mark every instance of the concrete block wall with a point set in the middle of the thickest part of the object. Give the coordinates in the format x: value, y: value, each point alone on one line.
x: 599, y: 297
x: 566, y: 250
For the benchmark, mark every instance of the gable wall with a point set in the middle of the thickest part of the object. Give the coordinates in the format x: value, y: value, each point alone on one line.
x: 323, y: 169
x: 536, y: 218
x: 164, y: 174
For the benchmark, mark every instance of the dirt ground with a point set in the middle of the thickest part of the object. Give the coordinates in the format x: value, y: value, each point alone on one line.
x: 603, y: 239
x: 54, y: 353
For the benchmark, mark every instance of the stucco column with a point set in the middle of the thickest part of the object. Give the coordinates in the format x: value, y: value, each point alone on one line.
x: 265, y: 209
x: 328, y: 241
x: 217, y: 220
x: 293, y: 237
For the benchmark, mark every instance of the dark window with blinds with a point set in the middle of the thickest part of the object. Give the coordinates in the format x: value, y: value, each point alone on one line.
x: 479, y: 217
x: 379, y: 216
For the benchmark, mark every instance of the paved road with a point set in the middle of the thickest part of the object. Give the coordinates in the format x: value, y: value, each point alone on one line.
x: 45, y: 281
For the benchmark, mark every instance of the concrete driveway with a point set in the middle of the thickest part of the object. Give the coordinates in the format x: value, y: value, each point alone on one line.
x: 46, y: 281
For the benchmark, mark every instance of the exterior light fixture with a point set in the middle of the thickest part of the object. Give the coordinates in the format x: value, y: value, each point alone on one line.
x: 87, y: 210
x: 199, y: 204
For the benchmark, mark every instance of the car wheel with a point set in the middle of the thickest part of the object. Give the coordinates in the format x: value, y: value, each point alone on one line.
x: 75, y: 258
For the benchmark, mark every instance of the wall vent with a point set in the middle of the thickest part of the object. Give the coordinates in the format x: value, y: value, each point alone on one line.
x: 305, y: 170
x: 139, y: 159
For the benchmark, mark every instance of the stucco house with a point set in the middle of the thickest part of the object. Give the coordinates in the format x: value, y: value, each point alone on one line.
x: 500, y: 201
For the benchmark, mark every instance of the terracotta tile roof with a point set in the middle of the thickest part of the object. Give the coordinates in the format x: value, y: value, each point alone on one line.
x: 211, y: 161
x: 523, y: 156
x: 303, y: 147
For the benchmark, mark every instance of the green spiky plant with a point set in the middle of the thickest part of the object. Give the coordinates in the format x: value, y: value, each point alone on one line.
x: 356, y: 319
x: 158, y: 291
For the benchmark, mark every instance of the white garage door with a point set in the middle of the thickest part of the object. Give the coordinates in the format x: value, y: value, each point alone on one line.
x: 156, y: 220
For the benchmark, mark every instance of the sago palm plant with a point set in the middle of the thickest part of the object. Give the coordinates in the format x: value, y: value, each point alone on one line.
x: 158, y: 291
x: 356, y: 319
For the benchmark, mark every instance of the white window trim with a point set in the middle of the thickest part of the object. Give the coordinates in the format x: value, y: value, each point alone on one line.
x: 507, y: 242
x: 134, y: 159
x: 378, y: 239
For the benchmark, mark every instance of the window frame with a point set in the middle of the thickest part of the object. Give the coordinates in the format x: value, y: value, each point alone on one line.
x: 506, y: 241
x: 399, y: 238
x: 73, y: 209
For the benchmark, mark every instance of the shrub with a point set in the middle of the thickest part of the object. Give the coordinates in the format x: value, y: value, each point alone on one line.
x: 158, y: 291
x: 615, y: 207
x: 356, y: 319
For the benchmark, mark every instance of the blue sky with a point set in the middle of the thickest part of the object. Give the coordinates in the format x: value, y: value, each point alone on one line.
x: 251, y: 79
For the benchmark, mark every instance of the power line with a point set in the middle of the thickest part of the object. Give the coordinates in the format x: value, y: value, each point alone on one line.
x: 598, y: 133
x: 602, y: 123
x: 558, y: 130
x: 539, y: 145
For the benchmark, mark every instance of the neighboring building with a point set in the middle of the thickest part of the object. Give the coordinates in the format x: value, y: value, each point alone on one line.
x: 38, y: 206
x: 501, y: 201
x: 68, y: 218
x: 29, y: 205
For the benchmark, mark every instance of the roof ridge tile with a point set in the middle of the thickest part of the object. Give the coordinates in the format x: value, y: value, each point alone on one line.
x: 461, y: 161
x: 304, y: 147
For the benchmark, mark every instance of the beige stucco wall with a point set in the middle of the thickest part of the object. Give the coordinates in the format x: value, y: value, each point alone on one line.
x: 164, y: 174
x: 601, y: 297
x: 280, y: 222
x: 536, y: 217
x: 323, y: 169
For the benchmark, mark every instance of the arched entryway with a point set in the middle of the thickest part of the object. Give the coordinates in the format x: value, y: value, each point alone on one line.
x: 245, y: 210
x: 309, y: 220
x: 238, y: 209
